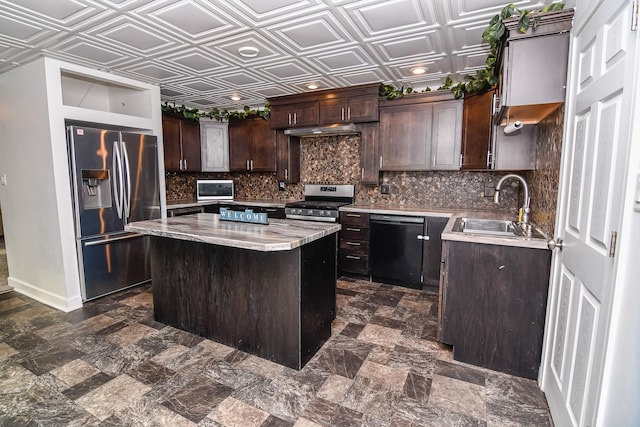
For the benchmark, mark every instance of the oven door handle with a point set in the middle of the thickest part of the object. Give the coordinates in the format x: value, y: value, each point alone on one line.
x: 311, y: 218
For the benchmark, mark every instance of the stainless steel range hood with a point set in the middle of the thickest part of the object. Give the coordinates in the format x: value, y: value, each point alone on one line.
x: 329, y: 130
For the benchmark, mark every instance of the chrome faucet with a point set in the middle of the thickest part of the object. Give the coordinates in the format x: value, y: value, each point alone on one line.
x: 526, y: 209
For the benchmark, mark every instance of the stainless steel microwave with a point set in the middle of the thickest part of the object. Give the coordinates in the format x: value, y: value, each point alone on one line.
x: 214, y: 189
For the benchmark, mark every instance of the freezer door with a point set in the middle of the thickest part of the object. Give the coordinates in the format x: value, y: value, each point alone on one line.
x: 95, y: 180
x: 142, y: 189
x: 114, y: 262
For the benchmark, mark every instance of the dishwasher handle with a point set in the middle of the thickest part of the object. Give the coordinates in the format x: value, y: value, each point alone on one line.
x: 397, y: 219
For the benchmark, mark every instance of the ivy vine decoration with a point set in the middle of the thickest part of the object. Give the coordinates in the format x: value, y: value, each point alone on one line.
x: 216, y: 113
x: 390, y: 92
x: 494, y: 34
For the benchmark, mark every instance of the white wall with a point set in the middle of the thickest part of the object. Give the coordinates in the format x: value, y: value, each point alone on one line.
x: 39, y: 258
x: 36, y: 204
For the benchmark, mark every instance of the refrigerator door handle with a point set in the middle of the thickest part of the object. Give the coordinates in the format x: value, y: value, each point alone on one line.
x: 113, y: 240
x: 117, y: 175
x: 127, y: 193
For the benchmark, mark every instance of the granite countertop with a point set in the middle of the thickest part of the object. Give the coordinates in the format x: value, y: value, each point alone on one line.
x: 379, y: 208
x: 278, y: 235
x: 521, y: 242
x: 453, y: 214
x: 189, y: 203
x: 382, y: 208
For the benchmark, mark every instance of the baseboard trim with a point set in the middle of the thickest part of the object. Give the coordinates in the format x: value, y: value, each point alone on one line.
x: 45, y: 297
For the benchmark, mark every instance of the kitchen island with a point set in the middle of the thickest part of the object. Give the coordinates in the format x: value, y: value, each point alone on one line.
x: 268, y: 290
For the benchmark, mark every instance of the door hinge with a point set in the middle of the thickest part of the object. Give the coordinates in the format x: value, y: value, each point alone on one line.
x: 634, y: 16
x: 612, y: 244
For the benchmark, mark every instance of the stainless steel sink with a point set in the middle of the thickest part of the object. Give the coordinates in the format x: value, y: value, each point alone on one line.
x: 494, y: 227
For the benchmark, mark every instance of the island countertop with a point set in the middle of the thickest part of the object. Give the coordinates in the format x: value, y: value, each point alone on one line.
x: 278, y: 235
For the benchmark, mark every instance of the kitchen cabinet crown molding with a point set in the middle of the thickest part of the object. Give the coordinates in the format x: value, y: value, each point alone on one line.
x: 417, y: 98
x: 325, y: 94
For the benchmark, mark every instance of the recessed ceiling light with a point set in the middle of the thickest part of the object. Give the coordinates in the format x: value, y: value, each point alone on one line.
x: 248, y: 51
x: 312, y: 86
x: 235, y: 98
x: 419, y: 70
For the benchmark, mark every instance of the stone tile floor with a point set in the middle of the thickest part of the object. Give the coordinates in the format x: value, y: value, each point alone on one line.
x: 111, y: 364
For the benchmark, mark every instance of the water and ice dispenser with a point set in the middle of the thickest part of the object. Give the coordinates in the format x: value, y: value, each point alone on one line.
x: 96, y: 189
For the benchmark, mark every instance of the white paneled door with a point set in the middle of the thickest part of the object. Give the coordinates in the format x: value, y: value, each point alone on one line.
x: 594, y: 161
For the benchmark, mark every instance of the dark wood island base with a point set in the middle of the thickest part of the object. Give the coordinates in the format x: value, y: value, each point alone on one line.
x: 277, y: 305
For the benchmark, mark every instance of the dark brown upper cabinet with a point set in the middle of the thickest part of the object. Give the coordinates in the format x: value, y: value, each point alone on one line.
x: 288, y: 149
x: 476, y: 130
x: 297, y: 114
x: 181, y: 143
x: 369, y: 157
x: 352, y: 109
x: 252, y: 146
x: 357, y: 104
x: 421, y: 132
x: 533, y: 68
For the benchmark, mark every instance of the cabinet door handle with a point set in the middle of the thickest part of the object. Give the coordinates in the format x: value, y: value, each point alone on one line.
x: 421, y: 237
x: 348, y: 113
x: 495, y: 104
x: 353, y: 243
x: 185, y: 164
x: 380, y: 162
x: 295, y: 118
x: 353, y: 229
x: 342, y: 114
x: 180, y: 164
x: 289, y: 118
x: 433, y: 163
x: 353, y: 215
x: 286, y: 174
x: 361, y: 173
x: 251, y: 163
x: 352, y: 257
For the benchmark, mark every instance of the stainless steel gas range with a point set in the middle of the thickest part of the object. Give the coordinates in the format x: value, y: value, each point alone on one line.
x: 321, y: 202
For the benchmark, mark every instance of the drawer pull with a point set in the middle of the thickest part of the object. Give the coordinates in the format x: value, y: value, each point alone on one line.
x: 353, y: 243
x: 353, y: 215
x: 421, y: 237
x: 353, y: 229
x: 352, y: 257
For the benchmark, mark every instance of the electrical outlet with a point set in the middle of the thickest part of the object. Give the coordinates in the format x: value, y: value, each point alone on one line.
x: 281, y: 185
x: 3, y: 179
x: 489, y: 191
x: 385, y: 189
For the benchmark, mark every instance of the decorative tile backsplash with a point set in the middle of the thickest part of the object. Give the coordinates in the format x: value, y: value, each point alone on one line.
x: 336, y: 160
x: 544, y: 180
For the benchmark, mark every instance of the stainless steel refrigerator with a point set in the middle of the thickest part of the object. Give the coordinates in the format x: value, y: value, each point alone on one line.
x: 114, y: 181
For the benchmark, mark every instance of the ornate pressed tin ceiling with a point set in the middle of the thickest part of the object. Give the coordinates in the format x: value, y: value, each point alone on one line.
x: 190, y: 48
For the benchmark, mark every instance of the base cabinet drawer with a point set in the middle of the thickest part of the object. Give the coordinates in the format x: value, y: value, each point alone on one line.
x: 354, y: 219
x: 354, y: 247
x: 354, y: 243
x: 353, y: 263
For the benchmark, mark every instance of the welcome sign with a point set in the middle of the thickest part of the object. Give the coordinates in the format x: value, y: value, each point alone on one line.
x: 247, y: 216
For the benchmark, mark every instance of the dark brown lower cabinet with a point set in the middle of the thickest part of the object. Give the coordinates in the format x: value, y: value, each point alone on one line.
x: 492, y: 305
x: 276, y: 305
x: 354, y: 244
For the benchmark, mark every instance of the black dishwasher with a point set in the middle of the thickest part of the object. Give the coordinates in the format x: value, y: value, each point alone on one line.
x: 396, y: 249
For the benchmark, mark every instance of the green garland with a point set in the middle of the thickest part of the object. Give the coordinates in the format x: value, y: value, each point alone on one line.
x: 216, y: 113
x: 494, y: 34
